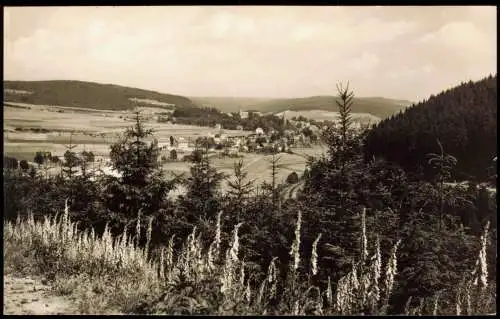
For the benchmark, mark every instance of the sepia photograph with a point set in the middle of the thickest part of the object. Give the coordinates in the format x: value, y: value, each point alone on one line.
x: 250, y: 160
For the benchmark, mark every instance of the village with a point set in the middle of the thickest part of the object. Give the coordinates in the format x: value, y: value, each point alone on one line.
x: 177, y: 142
x: 259, y: 141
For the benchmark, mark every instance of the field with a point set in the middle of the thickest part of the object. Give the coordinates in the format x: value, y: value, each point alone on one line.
x: 96, y: 130
x: 258, y: 166
x: 90, y: 129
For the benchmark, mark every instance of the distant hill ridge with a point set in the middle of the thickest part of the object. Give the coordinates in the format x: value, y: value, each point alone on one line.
x: 88, y: 95
x: 376, y: 106
x: 115, y: 97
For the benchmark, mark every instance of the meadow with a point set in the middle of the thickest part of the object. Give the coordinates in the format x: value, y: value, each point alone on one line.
x: 95, y: 130
x: 91, y: 129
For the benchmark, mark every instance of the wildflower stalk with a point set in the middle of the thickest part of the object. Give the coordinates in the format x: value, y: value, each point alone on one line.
x: 214, y: 249
x: 138, y: 227
x: 391, y: 272
x: 148, y: 235
x: 436, y: 305
x: 295, y: 251
x: 481, y: 271
x: 364, y: 240
x: 314, y: 256
x: 374, y: 293
x: 329, y: 294
x: 458, y: 305
x: 407, y: 307
x: 228, y: 278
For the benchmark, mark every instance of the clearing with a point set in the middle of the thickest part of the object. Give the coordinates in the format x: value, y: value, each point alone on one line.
x: 32, y: 296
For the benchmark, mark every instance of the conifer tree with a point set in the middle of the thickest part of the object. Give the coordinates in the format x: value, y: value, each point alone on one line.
x: 142, y: 184
x: 239, y: 189
x: 202, y: 184
x: 71, y: 160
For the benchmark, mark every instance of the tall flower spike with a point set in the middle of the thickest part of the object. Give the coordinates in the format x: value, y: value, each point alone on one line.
x: 217, y: 232
x: 364, y: 240
x: 138, y: 227
x: 248, y: 292
x: 148, y: 235
x: 242, y: 273
x: 483, y: 266
x: 314, y: 256
x: 272, y: 277
x: 391, y: 270
x: 407, y: 307
x: 214, y: 248
x: 458, y: 305
x: 377, y: 269
x: 236, y: 245
x: 295, y: 251
x: 436, y: 305
x: 329, y: 294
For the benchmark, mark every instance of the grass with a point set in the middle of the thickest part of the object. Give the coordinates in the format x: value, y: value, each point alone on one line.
x: 102, y: 122
x: 257, y: 166
x: 94, y: 130
x: 115, y: 275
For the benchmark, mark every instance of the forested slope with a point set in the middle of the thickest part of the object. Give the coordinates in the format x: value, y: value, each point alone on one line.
x: 464, y: 119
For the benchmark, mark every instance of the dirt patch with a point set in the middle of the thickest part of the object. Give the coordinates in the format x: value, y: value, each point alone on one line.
x: 32, y: 296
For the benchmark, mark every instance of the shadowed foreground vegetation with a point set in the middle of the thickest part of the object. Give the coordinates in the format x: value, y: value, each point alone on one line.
x: 115, y: 273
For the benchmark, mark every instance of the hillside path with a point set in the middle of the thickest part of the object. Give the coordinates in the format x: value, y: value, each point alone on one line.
x: 28, y: 296
x: 253, y: 162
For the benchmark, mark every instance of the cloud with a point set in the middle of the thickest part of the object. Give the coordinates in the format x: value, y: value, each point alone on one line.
x: 461, y: 46
x: 401, y: 52
x: 459, y: 35
x: 366, y: 63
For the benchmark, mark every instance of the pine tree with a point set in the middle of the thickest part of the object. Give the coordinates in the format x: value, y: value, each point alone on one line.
x: 274, y: 175
x: 142, y: 184
x: 444, y: 164
x: 203, y: 184
x: 239, y: 189
x: 39, y: 159
x: 71, y: 160
x: 132, y: 157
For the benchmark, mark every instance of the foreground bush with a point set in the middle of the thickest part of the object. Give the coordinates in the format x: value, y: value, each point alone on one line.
x: 208, y: 280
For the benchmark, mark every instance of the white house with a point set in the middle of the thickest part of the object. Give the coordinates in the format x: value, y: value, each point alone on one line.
x: 243, y: 115
x: 182, y: 143
x: 238, y: 141
x: 259, y: 131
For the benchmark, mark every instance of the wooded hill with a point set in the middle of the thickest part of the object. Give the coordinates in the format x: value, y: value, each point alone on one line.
x: 85, y: 94
x: 115, y: 97
x: 464, y: 119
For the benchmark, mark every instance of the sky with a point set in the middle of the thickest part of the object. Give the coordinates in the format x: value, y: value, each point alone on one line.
x: 251, y: 51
